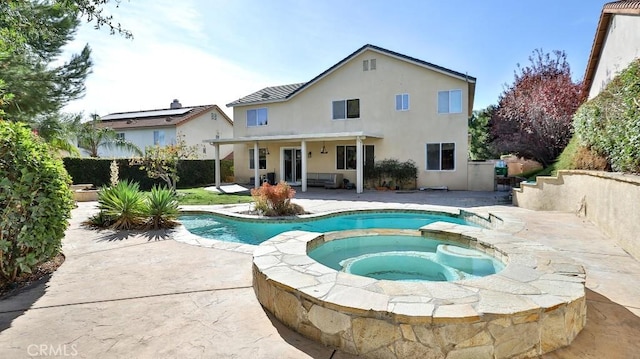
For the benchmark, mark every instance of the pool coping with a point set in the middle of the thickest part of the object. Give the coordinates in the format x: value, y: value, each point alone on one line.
x: 181, y: 234
x: 539, y: 295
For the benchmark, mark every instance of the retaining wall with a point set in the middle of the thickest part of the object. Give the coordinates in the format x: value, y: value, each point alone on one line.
x: 609, y: 200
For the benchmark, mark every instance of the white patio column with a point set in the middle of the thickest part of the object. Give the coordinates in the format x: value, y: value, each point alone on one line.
x: 217, y: 167
x: 256, y: 165
x: 303, y: 149
x: 359, y: 165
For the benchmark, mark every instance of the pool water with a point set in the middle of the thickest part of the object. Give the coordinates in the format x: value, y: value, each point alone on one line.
x: 405, y: 258
x: 228, y: 229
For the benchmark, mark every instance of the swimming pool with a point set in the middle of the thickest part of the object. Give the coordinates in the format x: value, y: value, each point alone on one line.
x: 247, y: 231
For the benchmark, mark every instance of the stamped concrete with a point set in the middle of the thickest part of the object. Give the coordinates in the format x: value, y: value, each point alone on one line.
x: 149, y: 296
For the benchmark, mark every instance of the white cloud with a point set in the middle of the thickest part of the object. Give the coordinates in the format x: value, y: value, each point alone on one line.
x: 159, y: 64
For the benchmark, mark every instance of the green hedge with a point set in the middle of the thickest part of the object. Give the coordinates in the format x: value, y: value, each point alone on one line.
x: 35, y: 201
x: 609, y: 124
x: 192, y: 173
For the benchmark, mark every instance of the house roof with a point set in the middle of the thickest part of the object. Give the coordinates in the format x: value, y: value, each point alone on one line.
x: 284, y: 93
x: 167, y: 117
x: 624, y: 7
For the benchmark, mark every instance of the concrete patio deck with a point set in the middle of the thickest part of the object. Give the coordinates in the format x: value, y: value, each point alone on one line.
x: 129, y: 295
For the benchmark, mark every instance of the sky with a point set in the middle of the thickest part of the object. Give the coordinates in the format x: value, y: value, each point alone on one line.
x: 216, y: 51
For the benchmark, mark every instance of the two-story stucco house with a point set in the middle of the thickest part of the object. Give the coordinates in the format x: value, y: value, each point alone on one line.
x: 615, y: 45
x: 163, y: 126
x: 374, y: 104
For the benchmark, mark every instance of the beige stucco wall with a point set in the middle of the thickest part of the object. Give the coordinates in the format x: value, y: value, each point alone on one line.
x: 610, y: 200
x: 405, y: 133
x: 621, y: 46
x: 481, y: 176
x: 204, y: 127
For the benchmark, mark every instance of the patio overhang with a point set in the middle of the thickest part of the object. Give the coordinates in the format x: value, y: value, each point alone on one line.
x: 310, y: 137
x: 358, y: 137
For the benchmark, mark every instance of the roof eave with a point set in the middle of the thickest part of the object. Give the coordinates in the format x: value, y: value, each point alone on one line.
x: 608, y: 10
x: 235, y: 103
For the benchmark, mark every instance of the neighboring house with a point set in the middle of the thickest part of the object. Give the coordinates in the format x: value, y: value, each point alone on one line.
x: 163, y: 126
x: 616, y: 44
x: 375, y: 104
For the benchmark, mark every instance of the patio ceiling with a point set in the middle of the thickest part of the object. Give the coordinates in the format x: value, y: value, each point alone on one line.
x: 296, y: 137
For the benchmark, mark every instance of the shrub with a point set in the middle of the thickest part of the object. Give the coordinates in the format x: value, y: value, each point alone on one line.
x: 275, y: 200
x: 609, y: 124
x: 192, y: 173
x: 35, y: 201
x: 121, y: 206
x: 387, y: 170
x: 161, y: 208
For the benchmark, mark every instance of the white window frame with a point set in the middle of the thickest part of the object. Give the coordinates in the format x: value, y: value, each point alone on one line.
x: 402, y: 99
x: 450, y: 108
x: 120, y: 136
x: 346, y: 110
x: 257, y: 113
x: 440, y: 144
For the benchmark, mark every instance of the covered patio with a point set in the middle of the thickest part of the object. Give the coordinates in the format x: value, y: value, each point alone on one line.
x: 304, y: 140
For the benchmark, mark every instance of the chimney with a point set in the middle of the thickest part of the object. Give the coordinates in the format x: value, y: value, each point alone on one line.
x: 176, y: 104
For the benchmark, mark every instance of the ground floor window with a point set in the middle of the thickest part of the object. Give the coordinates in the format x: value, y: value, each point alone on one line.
x: 262, y: 159
x: 346, y: 157
x: 441, y: 156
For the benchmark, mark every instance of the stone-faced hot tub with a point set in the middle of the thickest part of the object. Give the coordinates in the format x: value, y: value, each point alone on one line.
x: 536, y: 304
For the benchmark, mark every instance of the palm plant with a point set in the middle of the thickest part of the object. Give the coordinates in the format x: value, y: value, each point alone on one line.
x: 162, y: 208
x: 121, y: 206
x: 58, y: 131
x: 92, y: 136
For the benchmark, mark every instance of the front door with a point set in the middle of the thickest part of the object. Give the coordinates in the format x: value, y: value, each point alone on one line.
x: 292, y: 165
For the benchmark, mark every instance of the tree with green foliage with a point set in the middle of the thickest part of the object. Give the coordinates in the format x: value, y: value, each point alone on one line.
x: 35, y: 201
x: 162, y: 161
x: 609, y: 124
x: 92, y: 137
x: 35, y: 84
x: 28, y: 58
x: 533, y: 118
x: 480, y: 132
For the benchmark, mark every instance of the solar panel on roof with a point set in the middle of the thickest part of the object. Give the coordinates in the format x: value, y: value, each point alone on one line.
x: 141, y: 114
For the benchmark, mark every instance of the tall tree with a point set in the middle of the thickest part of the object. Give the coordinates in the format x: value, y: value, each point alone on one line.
x: 534, y: 114
x: 28, y: 59
x: 480, y: 132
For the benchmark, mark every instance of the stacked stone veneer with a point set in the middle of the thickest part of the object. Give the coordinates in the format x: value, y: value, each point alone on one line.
x: 535, y: 305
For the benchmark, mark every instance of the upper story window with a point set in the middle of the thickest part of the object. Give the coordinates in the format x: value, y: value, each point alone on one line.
x: 344, y: 109
x: 441, y: 156
x: 120, y: 136
x: 450, y: 101
x: 158, y: 138
x: 257, y: 117
x: 402, y: 102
